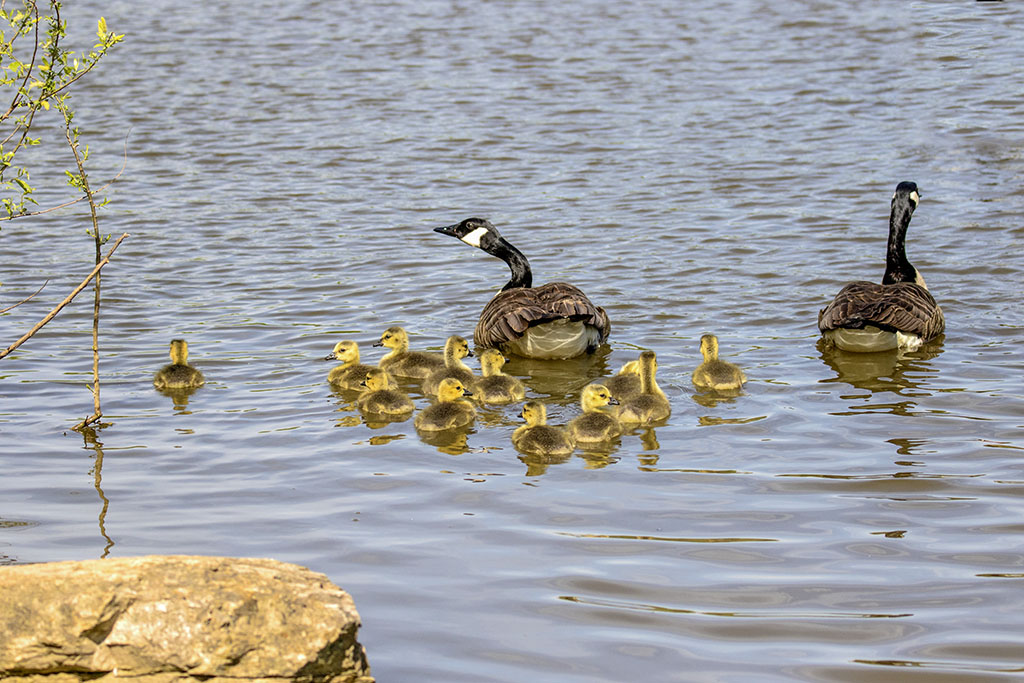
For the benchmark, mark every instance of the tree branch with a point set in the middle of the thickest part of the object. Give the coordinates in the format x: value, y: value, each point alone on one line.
x: 4, y: 310
x: 38, y: 326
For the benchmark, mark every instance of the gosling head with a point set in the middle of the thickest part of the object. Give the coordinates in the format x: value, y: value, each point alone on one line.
x: 394, y: 338
x: 709, y: 347
x: 476, y: 232
x: 457, y: 347
x: 345, y: 351
x: 630, y: 368
x: 648, y: 362
x: 451, y: 389
x: 179, y: 351
x: 534, y: 412
x: 491, y: 360
x: 597, y: 396
x: 375, y: 380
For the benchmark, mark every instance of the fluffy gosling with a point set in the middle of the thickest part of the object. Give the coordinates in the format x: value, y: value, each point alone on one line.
x: 379, y: 399
x: 651, y: 404
x: 536, y: 437
x: 713, y: 373
x: 451, y: 411
x: 402, y: 362
x: 495, y: 386
x: 455, y: 349
x: 596, y: 424
x: 179, y: 374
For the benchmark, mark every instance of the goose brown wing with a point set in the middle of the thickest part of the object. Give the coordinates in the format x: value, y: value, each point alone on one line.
x: 511, y: 312
x: 899, y: 307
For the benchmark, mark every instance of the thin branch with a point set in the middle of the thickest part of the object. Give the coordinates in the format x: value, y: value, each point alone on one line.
x: 4, y: 310
x: 72, y: 202
x: 66, y: 301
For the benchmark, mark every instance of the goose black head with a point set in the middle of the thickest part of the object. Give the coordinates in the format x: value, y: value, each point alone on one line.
x: 476, y: 232
x: 909, y: 191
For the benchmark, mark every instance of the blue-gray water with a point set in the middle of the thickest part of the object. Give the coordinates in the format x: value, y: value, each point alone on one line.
x: 694, y: 167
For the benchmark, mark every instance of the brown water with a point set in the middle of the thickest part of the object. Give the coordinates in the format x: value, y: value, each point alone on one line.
x: 719, y: 167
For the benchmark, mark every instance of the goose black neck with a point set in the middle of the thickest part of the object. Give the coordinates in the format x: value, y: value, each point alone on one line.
x: 522, y: 276
x: 897, y: 267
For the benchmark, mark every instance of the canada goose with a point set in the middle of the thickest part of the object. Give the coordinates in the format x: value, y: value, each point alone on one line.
x: 351, y: 373
x: 713, y: 373
x: 651, y: 404
x: 179, y: 374
x: 451, y: 411
x: 555, y: 320
x: 495, y: 386
x: 626, y: 384
x: 900, y: 313
x: 537, y: 437
x: 379, y: 399
x: 455, y: 349
x: 595, y: 424
x: 402, y: 362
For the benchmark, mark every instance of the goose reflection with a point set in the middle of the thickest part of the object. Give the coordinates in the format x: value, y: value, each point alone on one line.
x: 885, y: 371
x: 560, y: 381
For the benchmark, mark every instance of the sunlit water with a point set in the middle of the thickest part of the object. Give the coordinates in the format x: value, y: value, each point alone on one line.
x: 719, y: 167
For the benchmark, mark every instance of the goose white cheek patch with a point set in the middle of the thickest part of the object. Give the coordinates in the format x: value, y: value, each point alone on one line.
x: 473, y: 238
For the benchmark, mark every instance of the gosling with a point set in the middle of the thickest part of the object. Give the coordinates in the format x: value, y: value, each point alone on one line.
x: 179, y: 374
x: 495, y: 386
x: 379, y: 399
x: 351, y: 373
x: 596, y: 424
x: 626, y: 384
x: 455, y: 349
x: 402, y: 362
x: 651, y: 404
x: 536, y: 437
x: 713, y: 373
x: 451, y: 411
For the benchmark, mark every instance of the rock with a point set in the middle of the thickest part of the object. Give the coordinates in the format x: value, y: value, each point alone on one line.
x: 175, y: 619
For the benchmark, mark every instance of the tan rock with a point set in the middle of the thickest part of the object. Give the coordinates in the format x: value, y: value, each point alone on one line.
x: 177, y: 618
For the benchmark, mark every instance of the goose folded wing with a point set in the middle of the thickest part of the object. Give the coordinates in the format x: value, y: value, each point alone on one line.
x: 903, y: 306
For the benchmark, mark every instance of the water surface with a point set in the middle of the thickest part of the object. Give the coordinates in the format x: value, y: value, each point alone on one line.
x: 716, y: 168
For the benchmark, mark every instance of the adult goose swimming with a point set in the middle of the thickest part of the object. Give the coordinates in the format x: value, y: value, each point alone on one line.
x: 555, y: 320
x: 900, y: 313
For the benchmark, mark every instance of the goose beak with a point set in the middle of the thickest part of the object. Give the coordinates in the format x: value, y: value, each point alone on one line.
x: 469, y: 354
x: 612, y: 401
x: 378, y: 343
x: 330, y: 356
x: 467, y: 392
x: 448, y: 230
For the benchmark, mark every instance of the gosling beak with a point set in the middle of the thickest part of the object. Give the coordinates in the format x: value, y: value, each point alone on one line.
x: 330, y: 356
x: 467, y: 392
x: 378, y: 343
x: 612, y: 401
x: 469, y: 353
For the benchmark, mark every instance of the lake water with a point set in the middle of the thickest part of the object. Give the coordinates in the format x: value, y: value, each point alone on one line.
x: 694, y: 167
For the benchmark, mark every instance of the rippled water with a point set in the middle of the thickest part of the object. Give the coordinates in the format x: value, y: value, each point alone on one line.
x: 719, y: 167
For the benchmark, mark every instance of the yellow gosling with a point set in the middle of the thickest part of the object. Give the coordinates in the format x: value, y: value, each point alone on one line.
x: 455, y: 349
x: 651, y: 404
x: 495, y: 386
x: 402, y: 362
x: 451, y: 411
x: 713, y: 373
x: 626, y: 384
x: 351, y: 373
x: 179, y: 374
x: 379, y: 399
x: 596, y: 424
x: 536, y: 437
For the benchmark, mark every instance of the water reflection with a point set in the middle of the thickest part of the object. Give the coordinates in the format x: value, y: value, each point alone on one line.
x: 537, y: 465
x: 179, y: 398
x: 89, y: 436
x: 560, y: 380
x: 876, y: 372
x: 449, y: 441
